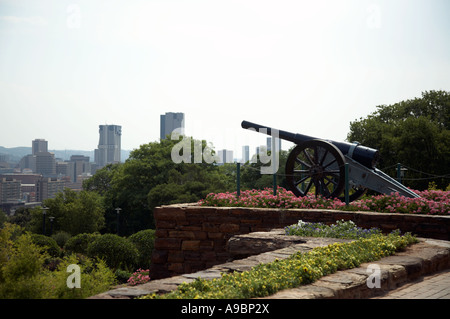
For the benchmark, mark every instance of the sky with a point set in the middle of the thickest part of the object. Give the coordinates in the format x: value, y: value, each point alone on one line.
x: 308, y: 67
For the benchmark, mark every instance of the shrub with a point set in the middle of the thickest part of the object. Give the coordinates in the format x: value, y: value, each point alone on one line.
x: 144, y: 241
x: 21, y: 262
x: 116, y: 251
x: 61, y: 238
x: 95, y: 277
x: 48, y: 243
x: 342, y: 229
x: 25, y: 275
x: 431, y: 202
x: 122, y: 276
x: 140, y: 276
x: 79, y: 243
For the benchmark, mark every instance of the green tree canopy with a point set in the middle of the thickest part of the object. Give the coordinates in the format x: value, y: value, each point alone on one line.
x: 149, y: 178
x: 415, y: 133
x: 74, y: 212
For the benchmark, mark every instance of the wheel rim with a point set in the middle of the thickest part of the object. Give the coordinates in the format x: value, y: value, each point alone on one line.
x: 316, y: 164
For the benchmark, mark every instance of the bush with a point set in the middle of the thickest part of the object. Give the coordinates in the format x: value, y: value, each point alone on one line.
x: 21, y: 261
x: 61, y: 238
x: 122, y: 276
x: 116, y: 251
x: 79, y: 243
x: 95, y: 277
x: 50, y: 245
x: 25, y: 275
x: 144, y: 241
x: 342, y: 229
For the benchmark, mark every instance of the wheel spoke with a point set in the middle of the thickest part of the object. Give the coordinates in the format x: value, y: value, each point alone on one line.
x: 308, y: 187
x: 332, y: 162
x: 301, y: 181
x: 324, y: 188
x: 302, y: 163
x: 308, y: 157
x: 323, y: 157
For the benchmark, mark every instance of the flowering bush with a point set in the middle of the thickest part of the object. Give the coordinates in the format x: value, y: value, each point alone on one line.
x: 342, y: 229
x: 140, y: 276
x: 298, y: 269
x: 431, y: 202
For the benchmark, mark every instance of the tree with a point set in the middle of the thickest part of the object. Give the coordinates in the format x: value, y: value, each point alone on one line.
x: 149, y: 178
x: 74, y: 212
x: 251, y: 177
x: 415, y: 133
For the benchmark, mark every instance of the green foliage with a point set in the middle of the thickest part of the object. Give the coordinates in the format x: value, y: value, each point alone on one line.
x: 75, y: 212
x: 144, y: 241
x: 21, y: 217
x: 95, y: 277
x: 122, y: 276
x: 251, y: 177
x: 116, y: 251
x: 47, y: 243
x: 341, y: 229
x: 21, y: 261
x: 3, y: 218
x: 415, y: 133
x: 24, y: 271
x: 61, y: 238
x: 79, y: 243
x: 150, y: 178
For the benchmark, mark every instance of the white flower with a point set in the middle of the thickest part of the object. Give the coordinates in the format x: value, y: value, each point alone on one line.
x: 301, y: 223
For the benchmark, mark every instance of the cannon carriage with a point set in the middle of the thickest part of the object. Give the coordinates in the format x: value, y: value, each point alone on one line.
x: 321, y: 165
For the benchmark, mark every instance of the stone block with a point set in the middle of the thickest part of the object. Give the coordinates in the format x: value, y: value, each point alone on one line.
x: 229, y: 228
x: 167, y: 243
x: 190, y: 245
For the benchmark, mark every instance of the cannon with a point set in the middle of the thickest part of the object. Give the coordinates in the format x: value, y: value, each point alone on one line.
x: 321, y: 163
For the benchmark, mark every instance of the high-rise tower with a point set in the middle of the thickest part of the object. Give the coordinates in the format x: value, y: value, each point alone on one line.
x: 109, y: 147
x: 39, y: 145
x: 169, y: 122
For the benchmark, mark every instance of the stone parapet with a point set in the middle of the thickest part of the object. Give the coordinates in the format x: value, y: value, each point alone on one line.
x: 190, y: 238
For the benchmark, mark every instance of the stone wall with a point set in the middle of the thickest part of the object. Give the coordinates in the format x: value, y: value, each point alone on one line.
x: 190, y: 238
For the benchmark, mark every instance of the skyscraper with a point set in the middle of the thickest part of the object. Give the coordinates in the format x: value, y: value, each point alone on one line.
x: 169, y: 122
x: 245, y: 154
x: 109, y: 146
x: 39, y: 146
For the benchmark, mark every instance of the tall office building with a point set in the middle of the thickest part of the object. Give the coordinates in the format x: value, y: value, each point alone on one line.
x: 39, y: 146
x: 45, y: 163
x: 169, y: 122
x: 109, y: 146
x: 245, y: 154
x: 225, y: 156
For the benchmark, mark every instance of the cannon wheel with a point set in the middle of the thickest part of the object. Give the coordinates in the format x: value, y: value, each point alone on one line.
x: 355, y: 193
x: 316, y: 163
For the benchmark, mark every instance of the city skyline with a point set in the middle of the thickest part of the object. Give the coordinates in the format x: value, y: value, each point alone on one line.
x: 302, y: 66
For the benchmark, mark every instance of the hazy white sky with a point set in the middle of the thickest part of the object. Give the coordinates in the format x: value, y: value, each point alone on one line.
x: 303, y: 66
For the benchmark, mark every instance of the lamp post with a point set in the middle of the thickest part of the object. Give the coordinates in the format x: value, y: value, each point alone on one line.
x: 51, y: 224
x: 44, y: 213
x: 118, y: 218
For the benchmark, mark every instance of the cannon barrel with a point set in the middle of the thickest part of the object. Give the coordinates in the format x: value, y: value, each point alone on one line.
x: 364, y: 155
